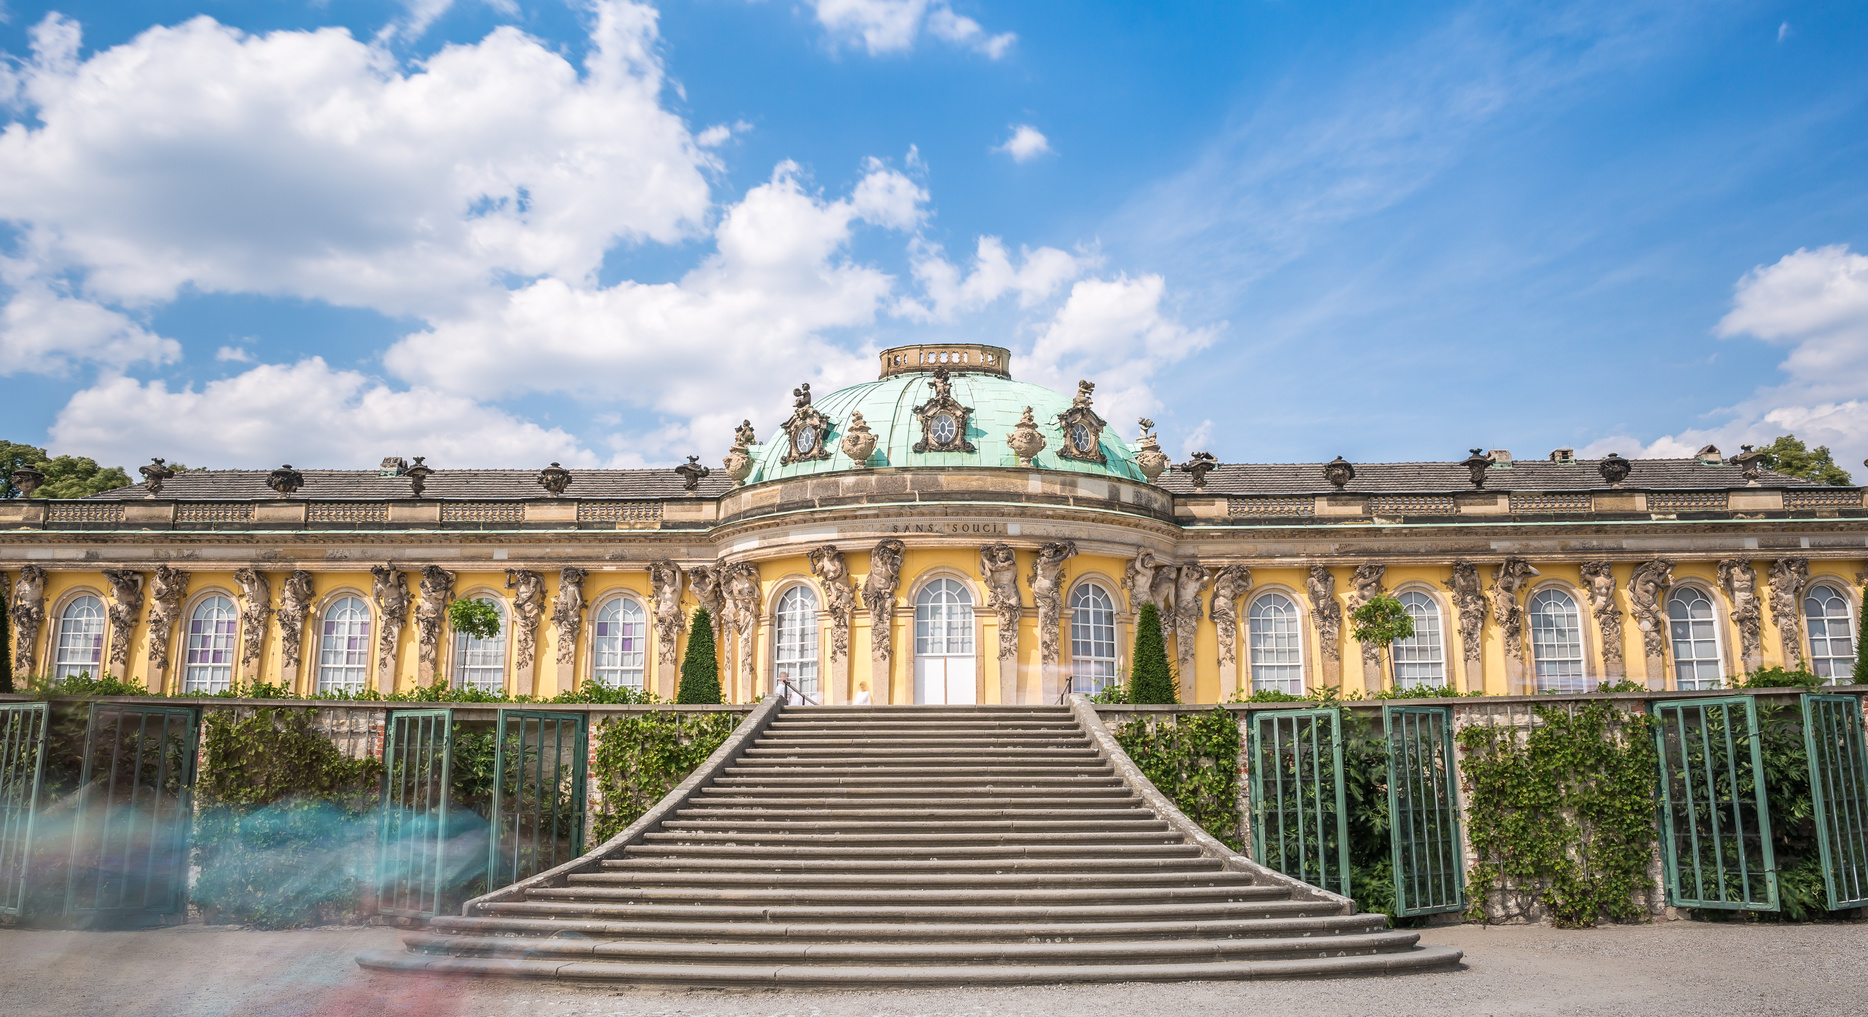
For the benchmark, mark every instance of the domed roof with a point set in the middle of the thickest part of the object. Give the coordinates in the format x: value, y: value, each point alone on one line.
x: 980, y: 380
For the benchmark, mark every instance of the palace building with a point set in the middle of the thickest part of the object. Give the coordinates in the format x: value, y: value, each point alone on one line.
x: 943, y: 534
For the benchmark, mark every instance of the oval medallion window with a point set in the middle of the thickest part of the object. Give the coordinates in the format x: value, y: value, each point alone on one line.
x: 805, y: 440
x: 1081, y: 437
x: 944, y: 429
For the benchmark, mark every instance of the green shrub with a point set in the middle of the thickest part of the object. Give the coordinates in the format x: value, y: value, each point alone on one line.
x: 1193, y: 760
x: 1151, y: 681
x: 700, y: 669
x: 641, y: 758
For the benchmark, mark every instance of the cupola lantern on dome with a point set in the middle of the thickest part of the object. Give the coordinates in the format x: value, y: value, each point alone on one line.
x: 955, y: 357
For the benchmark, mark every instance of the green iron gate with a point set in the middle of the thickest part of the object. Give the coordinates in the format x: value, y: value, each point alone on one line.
x: 1423, y: 810
x: 22, y: 771
x: 538, y: 793
x: 1832, y: 731
x: 1715, y: 824
x: 129, y: 841
x: 1299, y: 824
x: 411, y: 849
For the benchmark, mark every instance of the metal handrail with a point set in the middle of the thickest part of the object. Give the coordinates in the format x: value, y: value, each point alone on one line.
x: 794, y: 693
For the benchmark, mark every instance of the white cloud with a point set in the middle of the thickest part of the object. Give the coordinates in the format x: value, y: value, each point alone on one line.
x: 420, y: 14
x: 45, y: 332
x: 1025, y: 144
x: 1114, y: 330
x: 993, y: 276
x: 720, y: 134
x: 737, y: 331
x: 310, y: 164
x: 233, y: 354
x: 306, y: 414
x: 1816, y: 303
x: 891, y: 26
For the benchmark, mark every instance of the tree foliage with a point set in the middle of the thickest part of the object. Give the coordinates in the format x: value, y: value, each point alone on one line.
x: 65, y: 476
x: 474, y: 618
x: 1381, y: 621
x: 700, y: 669
x: 1788, y: 454
x: 1151, y: 681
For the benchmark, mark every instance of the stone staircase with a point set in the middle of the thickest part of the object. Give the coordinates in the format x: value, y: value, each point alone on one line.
x: 908, y: 846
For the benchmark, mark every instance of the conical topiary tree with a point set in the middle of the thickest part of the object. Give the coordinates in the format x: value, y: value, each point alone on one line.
x: 1150, y: 680
x: 1861, y: 643
x: 700, y: 669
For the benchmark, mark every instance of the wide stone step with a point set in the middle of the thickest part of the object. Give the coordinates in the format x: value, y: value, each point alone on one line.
x: 924, y: 812
x: 899, y: 913
x: 908, y: 879
x: 1105, y: 788
x: 942, y: 739
x: 893, y: 771
x: 1322, y: 925
x: 924, y: 755
x: 929, y: 852
x: 784, y: 729
x: 1154, y: 951
x: 917, y: 827
x: 931, y: 784
x: 1028, y: 895
x: 931, y: 837
x: 776, y: 863
x: 893, y: 798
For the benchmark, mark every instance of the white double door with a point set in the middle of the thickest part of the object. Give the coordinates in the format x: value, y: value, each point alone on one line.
x: 945, y: 681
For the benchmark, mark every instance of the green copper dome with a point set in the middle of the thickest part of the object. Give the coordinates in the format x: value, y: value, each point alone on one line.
x: 888, y: 408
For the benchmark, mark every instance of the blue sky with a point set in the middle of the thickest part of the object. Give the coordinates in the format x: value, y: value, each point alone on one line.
x: 500, y: 233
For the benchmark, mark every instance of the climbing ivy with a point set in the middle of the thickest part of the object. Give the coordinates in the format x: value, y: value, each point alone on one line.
x: 1195, y: 761
x: 1563, y: 818
x: 641, y: 758
x: 280, y: 828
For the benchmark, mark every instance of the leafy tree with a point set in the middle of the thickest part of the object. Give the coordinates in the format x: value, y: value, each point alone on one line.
x: 65, y: 476
x: 1150, y: 679
x: 1789, y: 455
x: 476, y: 619
x: 1381, y: 621
x: 700, y: 668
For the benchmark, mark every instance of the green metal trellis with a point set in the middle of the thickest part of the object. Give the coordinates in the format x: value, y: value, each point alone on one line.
x: 413, y: 835
x: 1423, y: 810
x: 1832, y: 731
x: 538, y: 793
x: 22, y: 773
x: 1299, y: 824
x: 1715, y: 823
x: 132, y: 813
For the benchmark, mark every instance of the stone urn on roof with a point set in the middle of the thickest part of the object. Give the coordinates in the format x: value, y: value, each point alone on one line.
x: 1025, y: 439
x: 1148, y: 455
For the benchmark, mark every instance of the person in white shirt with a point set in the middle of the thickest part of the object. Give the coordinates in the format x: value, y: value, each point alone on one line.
x: 862, y: 695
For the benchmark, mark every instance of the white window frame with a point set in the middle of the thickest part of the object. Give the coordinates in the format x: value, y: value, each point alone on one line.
x: 1274, y: 642
x: 1694, y: 638
x: 944, y: 617
x: 1832, y: 649
x: 1554, y: 668
x: 610, y: 662
x: 207, y: 676
x: 81, y: 620
x: 335, y: 675
x: 481, y: 663
x: 1419, y: 661
x: 1094, y: 649
x: 795, y: 652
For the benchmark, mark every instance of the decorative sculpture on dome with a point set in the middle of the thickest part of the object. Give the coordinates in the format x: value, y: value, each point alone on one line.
x: 943, y: 420
x: 859, y: 442
x: 1083, y: 429
x: 738, y: 461
x: 1025, y: 440
x: 1148, y: 455
x: 807, y: 430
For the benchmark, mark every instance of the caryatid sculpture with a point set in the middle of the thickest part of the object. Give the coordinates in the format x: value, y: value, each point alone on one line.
x: 1230, y: 585
x: 1788, y: 578
x: 879, y: 586
x: 126, y: 603
x: 998, y: 566
x: 1467, y: 592
x: 1190, y: 580
x: 1647, y: 591
x: 1507, y: 580
x: 27, y: 615
x: 167, y: 588
x: 528, y: 606
x: 437, y: 589
x: 739, y: 583
x: 567, y: 620
x: 1047, y: 581
x: 295, y: 600
x: 1740, y: 583
x: 391, y: 590
x: 255, y: 610
x: 1599, y: 582
x: 665, y: 585
x: 833, y: 579
x: 1366, y: 585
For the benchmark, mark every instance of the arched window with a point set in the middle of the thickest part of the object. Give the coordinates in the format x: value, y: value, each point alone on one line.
x: 208, y: 664
x: 80, y: 638
x: 344, y: 646
x: 620, y: 643
x: 1695, y: 632
x: 481, y: 663
x: 794, y: 656
x: 1556, y: 642
x: 1092, y: 639
x: 944, y: 671
x: 1420, y: 659
x: 1832, y: 632
x: 1276, y: 644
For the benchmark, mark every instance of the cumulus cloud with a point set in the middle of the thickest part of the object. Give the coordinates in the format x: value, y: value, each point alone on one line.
x: 891, y: 26
x: 1116, y: 330
x: 1816, y: 303
x: 993, y: 275
x: 1025, y: 144
x: 715, y: 341
x: 418, y: 15
x: 46, y: 332
x: 312, y: 165
x: 304, y: 413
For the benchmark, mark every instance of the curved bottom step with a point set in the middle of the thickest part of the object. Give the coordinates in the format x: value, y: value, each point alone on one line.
x: 889, y: 976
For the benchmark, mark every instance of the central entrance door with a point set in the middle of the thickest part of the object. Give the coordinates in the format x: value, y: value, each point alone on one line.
x: 944, y: 662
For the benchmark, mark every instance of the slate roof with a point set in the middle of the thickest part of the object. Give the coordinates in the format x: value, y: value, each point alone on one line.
x: 1229, y: 479
x: 1447, y: 478
x: 472, y: 485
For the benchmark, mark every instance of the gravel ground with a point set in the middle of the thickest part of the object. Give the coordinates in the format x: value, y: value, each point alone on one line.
x: 1676, y: 968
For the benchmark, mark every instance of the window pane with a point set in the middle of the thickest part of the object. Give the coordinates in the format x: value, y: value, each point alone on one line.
x: 208, y: 654
x: 1420, y: 659
x: 619, y: 643
x: 1693, y: 629
x: 795, y: 642
x: 1831, y: 626
x: 481, y: 663
x: 1275, y: 642
x: 1092, y: 639
x: 1557, y: 642
x: 344, y: 646
x: 943, y: 620
x: 80, y: 638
